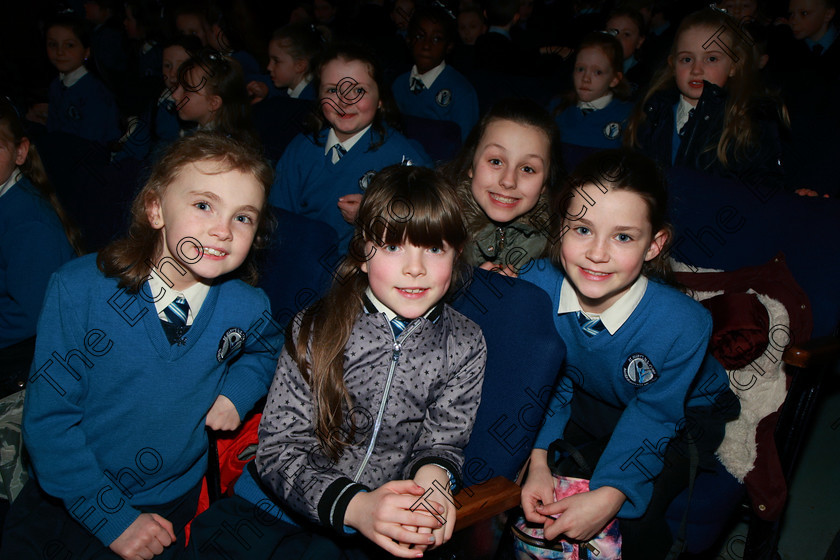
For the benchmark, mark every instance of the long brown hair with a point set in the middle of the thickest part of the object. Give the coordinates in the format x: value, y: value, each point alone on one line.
x: 11, y: 130
x: 626, y: 170
x: 740, y: 131
x: 402, y: 204
x: 130, y: 259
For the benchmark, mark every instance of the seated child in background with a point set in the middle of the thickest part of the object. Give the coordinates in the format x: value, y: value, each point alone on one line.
x: 637, y: 367
x: 433, y: 89
x: 79, y: 103
x: 160, y: 123
x: 323, y: 172
x: 505, y: 172
x: 706, y: 110
x: 139, y: 349
x: 211, y: 93
x: 594, y: 114
x: 629, y: 26
x: 291, y: 53
x: 333, y: 458
x: 36, y: 238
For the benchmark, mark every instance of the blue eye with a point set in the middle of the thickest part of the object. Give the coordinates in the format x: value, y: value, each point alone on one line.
x: 392, y: 248
x: 331, y: 90
x: 495, y: 161
x: 436, y: 250
x: 582, y: 230
x: 202, y: 205
x: 244, y: 219
x: 623, y: 237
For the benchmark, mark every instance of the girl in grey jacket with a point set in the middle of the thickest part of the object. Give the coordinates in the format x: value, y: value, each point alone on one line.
x: 376, y: 391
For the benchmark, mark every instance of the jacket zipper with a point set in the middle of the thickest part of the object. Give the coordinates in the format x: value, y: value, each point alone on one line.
x: 395, y: 358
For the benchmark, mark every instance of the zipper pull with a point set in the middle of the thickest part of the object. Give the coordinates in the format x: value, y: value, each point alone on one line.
x: 395, y: 354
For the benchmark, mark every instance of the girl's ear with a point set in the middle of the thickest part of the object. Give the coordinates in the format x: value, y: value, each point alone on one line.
x: 87, y: 53
x: 615, y: 81
x: 22, y: 151
x: 300, y: 66
x: 153, y: 212
x: 656, y: 245
x: 470, y: 172
x: 214, y: 102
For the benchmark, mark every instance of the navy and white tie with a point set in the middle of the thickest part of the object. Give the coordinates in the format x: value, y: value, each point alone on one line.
x: 589, y: 326
x: 176, y: 313
x: 398, y: 326
x: 337, y: 152
x: 417, y: 86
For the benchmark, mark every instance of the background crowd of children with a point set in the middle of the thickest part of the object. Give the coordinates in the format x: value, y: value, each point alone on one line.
x: 332, y: 92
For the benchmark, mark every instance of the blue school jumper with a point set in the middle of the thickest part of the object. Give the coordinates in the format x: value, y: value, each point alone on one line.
x: 115, y: 415
x: 451, y: 98
x: 32, y: 247
x: 602, y: 128
x: 308, y: 183
x: 654, y: 367
x: 86, y: 109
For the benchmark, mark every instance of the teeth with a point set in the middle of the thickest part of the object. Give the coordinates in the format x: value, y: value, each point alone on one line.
x: 594, y: 273
x: 503, y: 199
x: 213, y: 252
x: 413, y: 290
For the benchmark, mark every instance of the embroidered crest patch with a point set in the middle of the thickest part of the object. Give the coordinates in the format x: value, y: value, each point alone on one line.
x: 74, y: 113
x: 232, y: 342
x: 612, y: 130
x: 365, y: 179
x: 444, y: 97
x: 638, y: 370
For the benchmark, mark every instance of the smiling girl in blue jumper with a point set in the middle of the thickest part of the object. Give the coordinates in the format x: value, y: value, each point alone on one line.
x: 638, y: 375
x: 138, y: 349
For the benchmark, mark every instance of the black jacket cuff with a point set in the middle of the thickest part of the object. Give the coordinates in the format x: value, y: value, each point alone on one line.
x: 333, y: 504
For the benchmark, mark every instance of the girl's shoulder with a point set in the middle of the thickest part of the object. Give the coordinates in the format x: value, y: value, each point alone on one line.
x: 675, y: 307
x: 544, y: 274
x: 84, y: 273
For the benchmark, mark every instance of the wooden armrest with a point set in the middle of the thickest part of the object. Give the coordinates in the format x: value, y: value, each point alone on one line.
x: 482, y: 501
x: 817, y: 351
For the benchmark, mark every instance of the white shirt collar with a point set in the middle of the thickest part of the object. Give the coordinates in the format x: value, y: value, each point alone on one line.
x: 72, y: 77
x: 195, y: 296
x: 348, y: 144
x: 683, y: 107
x: 618, y: 313
x: 298, y: 89
x: 429, y: 77
x: 13, y: 178
x: 597, y: 104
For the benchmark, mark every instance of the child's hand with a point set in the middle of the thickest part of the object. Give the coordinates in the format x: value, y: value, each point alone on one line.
x: 538, y: 488
x: 505, y: 270
x: 349, y: 206
x: 222, y: 415
x: 383, y: 515
x: 257, y: 91
x: 145, y: 538
x: 38, y: 113
x: 808, y: 192
x: 425, y: 478
x: 582, y: 516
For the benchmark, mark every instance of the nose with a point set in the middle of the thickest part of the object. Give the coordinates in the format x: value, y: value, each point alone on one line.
x: 597, y: 251
x: 507, y: 180
x: 414, y: 264
x: 587, y: 76
x: 221, y: 230
x: 695, y: 67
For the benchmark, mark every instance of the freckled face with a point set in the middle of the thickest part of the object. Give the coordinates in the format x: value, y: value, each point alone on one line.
x: 208, y: 219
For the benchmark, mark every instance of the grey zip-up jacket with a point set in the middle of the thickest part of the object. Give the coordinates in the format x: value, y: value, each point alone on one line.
x: 414, y: 403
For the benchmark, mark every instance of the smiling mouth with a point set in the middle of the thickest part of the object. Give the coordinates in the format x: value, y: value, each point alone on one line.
x: 503, y: 199
x: 413, y: 291
x: 594, y: 273
x: 213, y: 252
x: 696, y: 84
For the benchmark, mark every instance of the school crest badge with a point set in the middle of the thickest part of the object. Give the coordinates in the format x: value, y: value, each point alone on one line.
x: 74, y: 113
x: 638, y: 370
x: 365, y: 179
x: 444, y: 97
x: 231, y: 343
x: 612, y: 130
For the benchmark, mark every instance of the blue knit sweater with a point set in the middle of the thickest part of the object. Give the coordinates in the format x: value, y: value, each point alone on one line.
x: 451, y: 98
x: 114, y: 415
x: 603, y: 128
x: 654, y: 367
x: 32, y: 247
x: 308, y: 183
x: 86, y: 109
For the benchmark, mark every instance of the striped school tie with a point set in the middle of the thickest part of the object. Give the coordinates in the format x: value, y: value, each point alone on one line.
x: 176, y: 313
x: 589, y: 326
x: 398, y: 326
x: 417, y: 86
x: 338, y: 152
